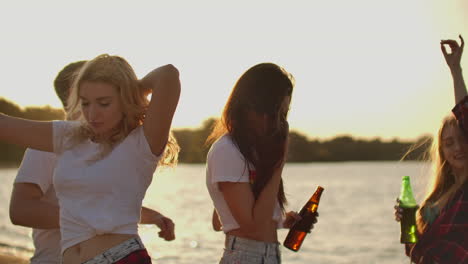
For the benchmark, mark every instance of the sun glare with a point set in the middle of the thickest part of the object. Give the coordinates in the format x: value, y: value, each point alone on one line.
x: 366, y: 68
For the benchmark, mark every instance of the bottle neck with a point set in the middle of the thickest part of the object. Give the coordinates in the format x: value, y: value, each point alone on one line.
x: 406, y: 195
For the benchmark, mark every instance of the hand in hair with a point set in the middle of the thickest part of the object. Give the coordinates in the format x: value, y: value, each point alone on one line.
x: 272, y: 148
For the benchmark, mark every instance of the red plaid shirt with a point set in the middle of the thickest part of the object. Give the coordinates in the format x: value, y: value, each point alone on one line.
x: 446, y: 240
x: 461, y: 113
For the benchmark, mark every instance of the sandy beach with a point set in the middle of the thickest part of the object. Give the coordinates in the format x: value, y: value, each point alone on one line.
x: 17, y: 255
x: 8, y: 259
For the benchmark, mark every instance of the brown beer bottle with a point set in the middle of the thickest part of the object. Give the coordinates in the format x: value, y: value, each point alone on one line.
x: 299, y: 230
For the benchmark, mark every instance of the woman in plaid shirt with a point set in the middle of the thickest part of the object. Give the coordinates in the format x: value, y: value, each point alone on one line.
x: 442, y: 219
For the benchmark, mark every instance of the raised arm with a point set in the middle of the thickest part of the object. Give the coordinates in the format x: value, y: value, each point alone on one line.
x: 26, y: 133
x: 453, y: 61
x: 165, y: 85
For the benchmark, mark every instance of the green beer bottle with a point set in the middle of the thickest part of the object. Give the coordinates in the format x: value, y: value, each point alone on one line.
x: 409, y: 206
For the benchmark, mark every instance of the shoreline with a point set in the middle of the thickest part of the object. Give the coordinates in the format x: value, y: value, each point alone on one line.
x: 11, y: 259
x: 14, y: 255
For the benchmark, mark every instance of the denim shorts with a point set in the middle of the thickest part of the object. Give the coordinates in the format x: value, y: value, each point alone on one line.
x: 129, y: 251
x: 246, y: 251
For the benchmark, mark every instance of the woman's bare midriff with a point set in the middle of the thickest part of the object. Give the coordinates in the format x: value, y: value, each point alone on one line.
x: 90, y: 248
x: 269, y: 234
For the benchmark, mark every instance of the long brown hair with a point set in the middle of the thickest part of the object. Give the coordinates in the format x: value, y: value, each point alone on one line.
x: 262, y: 89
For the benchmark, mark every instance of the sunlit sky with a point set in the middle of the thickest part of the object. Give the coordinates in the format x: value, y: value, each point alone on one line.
x: 366, y: 68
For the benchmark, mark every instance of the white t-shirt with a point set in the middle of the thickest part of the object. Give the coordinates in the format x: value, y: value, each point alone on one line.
x: 225, y: 163
x: 37, y: 168
x: 105, y: 196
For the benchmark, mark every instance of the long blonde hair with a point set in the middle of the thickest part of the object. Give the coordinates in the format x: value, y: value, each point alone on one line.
x: 116, y: 71
x: 444, y: 183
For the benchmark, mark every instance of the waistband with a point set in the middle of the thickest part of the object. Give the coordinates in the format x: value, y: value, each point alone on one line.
x: 118, y: 252
x: 259, y: 247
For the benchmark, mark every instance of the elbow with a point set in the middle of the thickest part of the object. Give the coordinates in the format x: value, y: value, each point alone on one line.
x: 172, y: 70
x: 18, y: 213
x: 15, y: 216
x: 216, y: 226
x: 170, y: 73
x: 173, y: 74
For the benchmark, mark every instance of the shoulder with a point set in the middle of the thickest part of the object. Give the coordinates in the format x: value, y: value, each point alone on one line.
x: 225, y: 163
x: 61, y: 124
x: 32, y: 154
x: 65, y: 129
x: 64, y: 134
x: 136, y: 136
x: 138, y: 144
x: 224, y: 150
x: 225, y: 146
x: 37, y: 158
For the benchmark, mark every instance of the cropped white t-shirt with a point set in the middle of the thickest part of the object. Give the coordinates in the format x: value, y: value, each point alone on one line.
x: 225, y: 163
x: 101, y: 197
x: 37, y: 167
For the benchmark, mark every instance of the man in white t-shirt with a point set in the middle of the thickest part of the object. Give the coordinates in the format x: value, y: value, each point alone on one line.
x: 34, y: 203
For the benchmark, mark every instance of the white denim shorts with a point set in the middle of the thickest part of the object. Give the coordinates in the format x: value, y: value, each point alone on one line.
x: 118, y: 252
x: 246, y: 251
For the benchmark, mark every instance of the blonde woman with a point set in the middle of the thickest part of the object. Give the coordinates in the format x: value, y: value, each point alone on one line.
x: 106, y: 159
x: 442, y: 219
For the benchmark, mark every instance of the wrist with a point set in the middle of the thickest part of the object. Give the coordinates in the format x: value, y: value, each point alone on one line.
x: 456, y: 70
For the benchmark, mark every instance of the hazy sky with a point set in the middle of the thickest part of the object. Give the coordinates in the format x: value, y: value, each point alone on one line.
x: 367, y: 68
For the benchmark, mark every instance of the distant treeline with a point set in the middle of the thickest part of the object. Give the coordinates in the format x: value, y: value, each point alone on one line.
x: 194, y: 149
x: 12, y: 153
